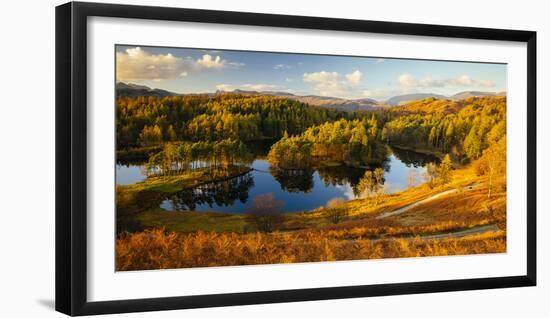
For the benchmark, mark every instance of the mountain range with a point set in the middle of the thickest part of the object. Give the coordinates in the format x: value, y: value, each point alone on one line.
x: 134, y: 90
x: 321, y: 101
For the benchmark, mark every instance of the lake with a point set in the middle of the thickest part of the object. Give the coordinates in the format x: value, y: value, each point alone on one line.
x: 299, y: 190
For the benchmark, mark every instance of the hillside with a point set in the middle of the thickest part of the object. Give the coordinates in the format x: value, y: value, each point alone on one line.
x: 338, y: 103
x: 403, y: 99
x: 463, y: 128
x: 320, y: 101
x: 468, y: 94
x: 134, y: 90
x: 444, y: 106
x: 431, y: 105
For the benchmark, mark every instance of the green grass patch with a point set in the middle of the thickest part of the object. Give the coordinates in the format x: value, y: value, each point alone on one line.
x: 190, y: 221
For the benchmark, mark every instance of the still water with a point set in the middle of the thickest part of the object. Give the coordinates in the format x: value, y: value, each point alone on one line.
x: 299, y: 190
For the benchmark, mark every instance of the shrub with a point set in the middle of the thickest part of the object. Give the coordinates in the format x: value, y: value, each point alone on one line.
x: 336, y: 210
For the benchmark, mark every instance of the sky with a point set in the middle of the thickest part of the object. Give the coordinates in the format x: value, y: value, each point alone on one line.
x: 183, y: 70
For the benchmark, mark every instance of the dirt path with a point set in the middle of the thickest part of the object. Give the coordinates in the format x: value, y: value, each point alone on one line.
x: 462, y: 233
x: 428, y: 199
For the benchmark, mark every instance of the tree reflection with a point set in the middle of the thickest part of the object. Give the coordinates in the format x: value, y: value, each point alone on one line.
x: 223, y: 193
x: 293, y: 181
x: 339, y: 176
x: 412, y: 158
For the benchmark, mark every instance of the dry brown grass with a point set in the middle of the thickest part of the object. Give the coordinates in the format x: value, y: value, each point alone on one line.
x: 449, y: 213
x: 157, y: 249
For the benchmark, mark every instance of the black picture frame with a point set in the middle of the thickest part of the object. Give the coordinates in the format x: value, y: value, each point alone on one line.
x: 71, y: 157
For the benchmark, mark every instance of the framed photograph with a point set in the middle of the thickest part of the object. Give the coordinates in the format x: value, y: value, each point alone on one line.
x: 209, y: 158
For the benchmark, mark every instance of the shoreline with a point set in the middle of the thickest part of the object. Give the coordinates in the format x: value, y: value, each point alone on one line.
x: 179, y: 180
x: 424, y: 151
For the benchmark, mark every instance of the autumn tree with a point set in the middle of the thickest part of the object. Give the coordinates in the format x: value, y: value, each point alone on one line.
x: 366, y: 183
x: 355, y: 143
x: 150, y: 135
x: 493, y: 164
x: 216, y: 156
x: 171, y: 133
x: 445, y: 169
x: 265, y: 212
x: 335, y: 210
x: 474, y: 142
x: 379, y: 178
x: 143, y: 121
x: 465, y: 127
x: 372, y: 183
x: 430, y: 174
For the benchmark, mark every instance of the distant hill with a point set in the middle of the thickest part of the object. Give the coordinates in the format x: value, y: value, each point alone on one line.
x: 468, y: 94
x: 403, y: 99
x: 134, y: 90
x: 338, y: 103
x: 320, y: 101
x: 419, y: 99
x: 408, y: 98
x: 270, y: 93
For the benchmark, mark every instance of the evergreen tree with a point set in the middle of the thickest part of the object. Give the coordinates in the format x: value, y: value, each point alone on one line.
x: 445, y: 168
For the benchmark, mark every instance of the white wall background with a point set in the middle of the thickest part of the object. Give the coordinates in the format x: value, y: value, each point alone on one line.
x: 27, y: 158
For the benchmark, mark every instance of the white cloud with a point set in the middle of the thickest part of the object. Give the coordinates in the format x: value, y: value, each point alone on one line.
x: 325, y: 83
x: 378, y: 61
x: 137, y: 64
x: 354, y: 78
x: 320, y: 77
x: 207, y: 61
x: 248, y: 87
x: 463, y: 80
x: 333, y: 84
x: 259, y: 87
x: 225, y: 87
x: 486, y: 83
x: 407, y: 82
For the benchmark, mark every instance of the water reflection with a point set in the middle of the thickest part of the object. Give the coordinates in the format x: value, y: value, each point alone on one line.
x: 128, y: 172
x: 301, y: 190
x: 221, y: 194
x: 293, y: 181
x: 334, y: 176
x: 414, y: 159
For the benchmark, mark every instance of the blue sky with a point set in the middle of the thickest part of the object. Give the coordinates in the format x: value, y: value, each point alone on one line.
x: 200, y: 71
